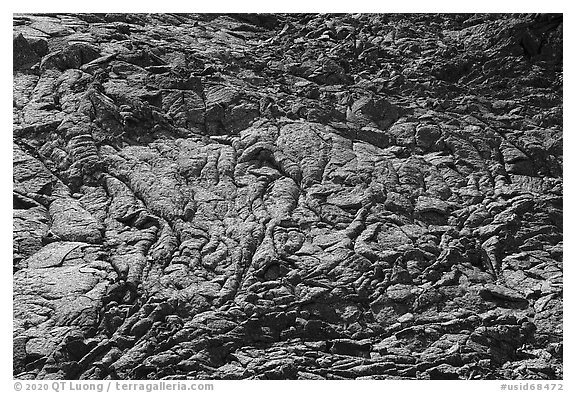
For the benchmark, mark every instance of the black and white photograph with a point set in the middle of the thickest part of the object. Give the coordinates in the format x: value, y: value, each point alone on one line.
x: 287, y: 196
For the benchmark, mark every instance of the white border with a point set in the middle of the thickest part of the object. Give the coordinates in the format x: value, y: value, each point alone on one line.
x: 6, y: 383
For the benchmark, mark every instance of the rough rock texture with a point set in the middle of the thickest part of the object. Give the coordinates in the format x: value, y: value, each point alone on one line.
x: 287, y: 196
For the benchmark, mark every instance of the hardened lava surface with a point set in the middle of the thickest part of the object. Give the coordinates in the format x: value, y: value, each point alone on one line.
x: 287, y: 196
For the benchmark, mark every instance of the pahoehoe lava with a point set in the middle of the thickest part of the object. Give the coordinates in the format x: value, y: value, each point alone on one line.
x: 287, y: 196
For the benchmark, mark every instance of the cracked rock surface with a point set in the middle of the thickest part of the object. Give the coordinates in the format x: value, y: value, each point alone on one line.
x: 287, y: 196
